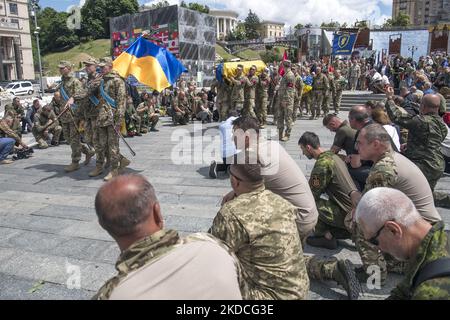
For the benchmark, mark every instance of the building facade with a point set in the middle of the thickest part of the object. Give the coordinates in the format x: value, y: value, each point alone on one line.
x: 423, y: 12
x: 271, y: 29
x: 226, y: 21
x: 16, y: 54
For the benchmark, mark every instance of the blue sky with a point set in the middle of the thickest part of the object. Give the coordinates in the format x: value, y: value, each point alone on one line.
x: 304, y: 11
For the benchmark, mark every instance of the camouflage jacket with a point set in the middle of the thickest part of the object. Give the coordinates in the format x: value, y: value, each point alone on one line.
x: 41, y: 120
x: 7, y: 132
x: 260, y: 229
x: 426, y: 133
x: 90, y: 109
x: 262, y: 88
x: 321, y: 82
x: 435, y: 245
x: 250, y: 87
x: 57, y: 107
x: 299, y: 86
x: 14, y: 111
x: 330, y: 175
x: 183, y: 105
x: 237, y: 93
x: 150, y: 250
x: 73, y: 88
x: 114, y: 86
x: 287, y: 90
x: 339, y: 84
x: 355, y: 71
x: 383, y: 173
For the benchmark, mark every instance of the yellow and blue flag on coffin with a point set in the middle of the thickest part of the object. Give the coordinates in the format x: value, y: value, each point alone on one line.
x: 343, y: 43
x: 150, y: 64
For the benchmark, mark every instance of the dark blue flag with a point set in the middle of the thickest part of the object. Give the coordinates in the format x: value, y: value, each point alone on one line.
x: 343, y: 44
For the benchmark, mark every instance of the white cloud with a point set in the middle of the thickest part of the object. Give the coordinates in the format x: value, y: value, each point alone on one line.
x: 292, y: 12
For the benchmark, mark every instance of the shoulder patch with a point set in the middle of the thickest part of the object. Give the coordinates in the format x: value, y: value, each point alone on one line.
x: 315, y: 181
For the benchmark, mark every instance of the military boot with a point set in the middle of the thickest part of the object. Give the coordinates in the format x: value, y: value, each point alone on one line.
x: 344, y: 275
x: 97, y: 171
x: 112, y: 174
x: 74, y: 166
x: 124, y: 163
x: 89, y: 156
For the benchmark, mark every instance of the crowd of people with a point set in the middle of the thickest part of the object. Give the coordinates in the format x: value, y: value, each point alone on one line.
x: 375, y: 186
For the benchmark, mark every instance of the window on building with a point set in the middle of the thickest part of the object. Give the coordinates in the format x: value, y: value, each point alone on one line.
x: 16, y: 21
x: 13, y: 8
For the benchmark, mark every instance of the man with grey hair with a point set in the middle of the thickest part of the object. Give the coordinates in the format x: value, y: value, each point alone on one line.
x: 393, y: 170
x: 389, y: 220
x: 155, y: 263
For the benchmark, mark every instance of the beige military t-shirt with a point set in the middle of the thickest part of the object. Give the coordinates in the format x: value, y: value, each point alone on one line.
x: 283, y: 176
x: 413, y: 183
x: 199, y: 270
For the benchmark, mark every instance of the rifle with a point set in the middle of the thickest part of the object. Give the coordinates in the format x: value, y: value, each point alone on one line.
x: 65, y: 109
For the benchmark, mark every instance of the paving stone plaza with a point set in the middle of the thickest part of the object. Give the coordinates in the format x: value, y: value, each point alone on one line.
x: 49, y: 235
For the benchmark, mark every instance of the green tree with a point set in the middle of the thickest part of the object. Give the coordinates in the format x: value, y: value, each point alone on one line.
x: 361, y: 24
x: 160, y: 4
x: 95, y: 15
x: 195, y: 6
x: 252, y: 25
x: 298, y: 26
x: 402, y: 20
x: 238, y: 33
x: 331, y: 24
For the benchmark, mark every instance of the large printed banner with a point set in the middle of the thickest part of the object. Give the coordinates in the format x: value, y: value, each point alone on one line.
x: 343, y: 43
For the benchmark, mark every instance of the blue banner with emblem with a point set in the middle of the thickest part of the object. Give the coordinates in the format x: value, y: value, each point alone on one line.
x: 343, y: 43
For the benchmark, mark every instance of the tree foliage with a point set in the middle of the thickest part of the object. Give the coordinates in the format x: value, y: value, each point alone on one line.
x: 96, y: 13
x: 195, y: 6
x: 402, y: 20
x: 238, y: 33
x: 252, y: 25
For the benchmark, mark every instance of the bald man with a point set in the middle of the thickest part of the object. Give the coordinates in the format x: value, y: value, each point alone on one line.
x: 155, y: 263
x: 427, y: 131
x: 389, y: 220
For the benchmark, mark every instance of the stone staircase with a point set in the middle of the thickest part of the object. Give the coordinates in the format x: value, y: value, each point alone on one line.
x: 352, y: 98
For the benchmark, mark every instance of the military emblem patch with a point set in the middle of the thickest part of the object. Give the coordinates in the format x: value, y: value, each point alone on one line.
x: 315, y: 181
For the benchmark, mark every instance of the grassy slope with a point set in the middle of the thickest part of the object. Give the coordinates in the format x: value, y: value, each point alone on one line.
x: 97, y: 49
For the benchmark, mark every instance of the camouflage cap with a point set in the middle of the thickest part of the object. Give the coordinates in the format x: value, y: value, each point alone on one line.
x: 105, y: 62
x: 65, y: 64
x: 91, y: 61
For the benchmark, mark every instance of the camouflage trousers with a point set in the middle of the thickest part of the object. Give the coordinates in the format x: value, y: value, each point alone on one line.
x: 41, y: 137
x: 90, y: 125
x: 337, y: 99
x: 134, y: 123
x: 179, y: 118
x: 306, y: 102
x: 224, y: 108
x: 108, y: 144
x: 326, y: 103
x: 73, y: 137
x: 249, y: 108
x: 261, y: 109
x: 285, y: 112
x: 332, y: 219
x: 353, y: 83
x: 318, y: 102
x: 297, y: 107
x: 321, y: 268
x: 363, y: 83
x: 237, y: 106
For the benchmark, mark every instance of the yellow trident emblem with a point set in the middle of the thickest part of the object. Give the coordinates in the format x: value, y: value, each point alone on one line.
x: 344, y: 40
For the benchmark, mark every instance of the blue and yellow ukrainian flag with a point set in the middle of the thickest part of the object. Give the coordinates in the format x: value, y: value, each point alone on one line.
x: 151, y: 65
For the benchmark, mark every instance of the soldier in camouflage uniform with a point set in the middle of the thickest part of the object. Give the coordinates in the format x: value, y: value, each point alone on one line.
x: 43, y: 118
x: 146, y: 111
x: 320, y: 87
x: 390, y: 226
x: 71, y: 90
x: 16, y: 111
x: 222, y: 98
x: 259, y: 227
x: 327, y: 98
x: 427, y: 131
x: 249, y: 93
x: 338, y: 85
x: 237, y: 92
x: 273, y: 94
x: 354, y: 75
x: 299, y: 93
x: 91, y: 106
x: 286, y: 100
x: 113, y: 99
x: 362, y: 77
x: 132, y: 119
x: 262, y: 97
x: 330, y: 176
x: 393, y: 170
x: 181, y: 109
x: 307, y: 97
x: 155, y: 263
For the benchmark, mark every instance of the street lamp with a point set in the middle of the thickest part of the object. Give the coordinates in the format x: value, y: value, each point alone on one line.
x: 36, y: 33
x: 413, y: 49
